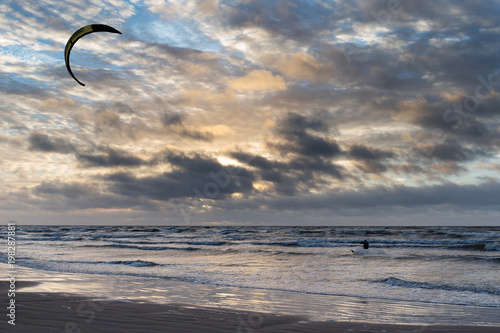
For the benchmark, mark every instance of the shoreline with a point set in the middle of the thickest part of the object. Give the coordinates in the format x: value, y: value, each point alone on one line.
x: 71, y: 313
x: 317, y: 308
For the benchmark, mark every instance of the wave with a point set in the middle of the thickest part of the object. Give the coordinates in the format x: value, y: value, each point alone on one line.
x: 492, y: 246
x: 319, y: 232
x: 285, y: 243
x: 51, y: 238
x: 148, y: 248
x: 146, y: 230
x: 291, y: 253
x: 489, y: 246
x: 108, y: 236
x: 470, y: 245
x: 488, y: 259
x: 160, y: 238
x: 392, y: 281
x: 151, y: 242
x: 211, y: 243
x: 134, y: 263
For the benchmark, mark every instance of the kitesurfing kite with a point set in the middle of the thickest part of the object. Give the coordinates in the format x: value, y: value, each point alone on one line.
x: 79, y: 34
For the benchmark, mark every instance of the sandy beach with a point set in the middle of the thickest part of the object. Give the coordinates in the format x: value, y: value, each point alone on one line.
x: 58, y: 312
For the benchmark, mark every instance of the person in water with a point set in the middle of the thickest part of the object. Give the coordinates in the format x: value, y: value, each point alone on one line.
x: 366, y: 245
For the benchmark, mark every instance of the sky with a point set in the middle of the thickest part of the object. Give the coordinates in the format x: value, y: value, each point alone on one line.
x: 251, y: 112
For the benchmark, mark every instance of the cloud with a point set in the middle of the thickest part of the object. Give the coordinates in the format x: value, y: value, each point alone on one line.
x: 294, y: 136
x: 219, y: 130
x: 77, y: 196
x: 142, y: 193
x: 298, y: 20
x: 191, y: 176
x: 257, y: 80
x: 172, y: 118
x: 319, y: 103
x: 110, y: 158
x: 360, y: 152
x: 45, y: 143
x: 197, y: 135
x: 303, y: 66
x: 453, y: 151
x: 11, y: 86
x: 449, y: 196
x: 369, y: 159
x: 306, y: 160
x: 174, y: 121
x: 72, y: 190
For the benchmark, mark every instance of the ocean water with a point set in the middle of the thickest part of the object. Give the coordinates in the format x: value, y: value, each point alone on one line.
x: 409, y: 274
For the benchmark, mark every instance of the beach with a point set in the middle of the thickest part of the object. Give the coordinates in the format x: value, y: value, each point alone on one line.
x: 56, y: 312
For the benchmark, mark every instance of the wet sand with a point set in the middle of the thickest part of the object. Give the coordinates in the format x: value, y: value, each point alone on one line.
x: 71, y: 313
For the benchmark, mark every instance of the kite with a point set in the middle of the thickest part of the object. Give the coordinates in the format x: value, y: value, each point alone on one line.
x: 79, y: 34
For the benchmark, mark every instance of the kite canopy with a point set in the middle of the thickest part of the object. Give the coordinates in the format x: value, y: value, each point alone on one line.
x: 79, y: 34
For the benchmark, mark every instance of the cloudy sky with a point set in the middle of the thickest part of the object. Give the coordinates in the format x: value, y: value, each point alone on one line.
x: 251, y: 112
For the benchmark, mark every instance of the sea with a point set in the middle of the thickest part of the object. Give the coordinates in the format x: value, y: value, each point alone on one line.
x: 424, y: 275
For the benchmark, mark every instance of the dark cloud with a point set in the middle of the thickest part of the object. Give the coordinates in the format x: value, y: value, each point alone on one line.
x: 360, y: 152
x: 258, y: 162
x: 294, y: 136
x: 291, y: 20
x: 449, y: 117
x: 452, y: 196
x: 43, y: 142
x: 71, y: 190
x: 110, y: 158
x: 369, y: 159
x: 292, y: 176
x: 192, y: 176
x: 452, y: 49
x: 452, y: 134
x: 130, y: 191
x: 454, y: 152
x: 107, y: 157
x: 320, y: 165
x: 386, y: 78
x: 308, y: 156
x: 59, y: 196
x: 275, y: 172
x: 172, y: 118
